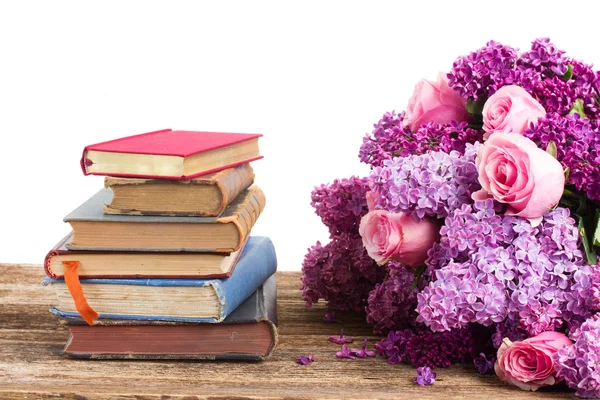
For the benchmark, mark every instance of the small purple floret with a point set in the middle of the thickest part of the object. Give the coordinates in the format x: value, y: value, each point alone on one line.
x: 425, y: 376
x: 340, y: 339
x: 484, y: 366
x: 329, y: 317
x: 362, y: 352
x: 305, y: 360
x: 344, y: 353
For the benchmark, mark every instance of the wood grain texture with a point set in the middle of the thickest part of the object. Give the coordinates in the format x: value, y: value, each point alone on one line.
x: 31, y: 367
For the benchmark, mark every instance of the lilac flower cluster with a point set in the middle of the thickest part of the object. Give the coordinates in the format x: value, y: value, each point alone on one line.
x: 559, y: 95
x: 341, y: 204
x: 481, y: 73
x: 391, y: 139
x: 579, y: 364
x: 391, y: 305
x: 578, y: 148
x: 341, y: 273
x: 423, y: 347
x: 491, y: 268
x: 432, y: 184
x: 554, y: 79
x: 544, y: 58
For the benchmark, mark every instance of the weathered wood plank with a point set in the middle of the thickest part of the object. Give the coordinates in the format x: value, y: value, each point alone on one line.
x: 31, y: 367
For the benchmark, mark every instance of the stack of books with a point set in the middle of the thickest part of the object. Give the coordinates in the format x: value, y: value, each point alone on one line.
x: 160, y: 263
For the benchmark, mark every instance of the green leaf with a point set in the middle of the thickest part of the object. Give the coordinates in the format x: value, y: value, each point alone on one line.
x: 418, y: 272
x: 551, y: 149
x: 596, y: 239
x: 567, y: 174
x: 589, y: 252
x: 569, y: 74
x: 578, y: 108
x: 475, y: 107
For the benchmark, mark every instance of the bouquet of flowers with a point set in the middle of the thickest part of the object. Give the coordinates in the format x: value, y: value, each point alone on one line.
x: 474, y: 238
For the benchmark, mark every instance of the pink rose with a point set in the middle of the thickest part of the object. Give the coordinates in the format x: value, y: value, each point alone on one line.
x: 514, y: 171
x: 435, y: 101
x: 528, y: 364
x: 397, y: 236
x: 372, y: 200
x: 510, y: 108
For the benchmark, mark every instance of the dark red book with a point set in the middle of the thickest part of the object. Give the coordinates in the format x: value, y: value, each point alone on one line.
x: 248, y: 333
x: 169, y: 154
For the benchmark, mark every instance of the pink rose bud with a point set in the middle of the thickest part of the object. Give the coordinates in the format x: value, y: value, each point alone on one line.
x: 514, y: 171
x: 372, y: 200
x: 529, y: 364
x: 435, y: 101
x: 397, y: 236
x: 510, y: 108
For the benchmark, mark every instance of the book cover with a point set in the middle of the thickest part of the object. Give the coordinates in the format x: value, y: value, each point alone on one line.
x: 131, y: 264
x: 248, y: 333
x: 257, y: 263
x: 206, y: 195
x: 94, y: 230
x: 164, y: 154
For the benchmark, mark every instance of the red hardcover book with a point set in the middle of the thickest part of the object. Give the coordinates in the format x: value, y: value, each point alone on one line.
x: 169, y: 154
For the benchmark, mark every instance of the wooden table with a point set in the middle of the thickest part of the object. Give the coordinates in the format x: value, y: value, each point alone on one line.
x: 31, y: 367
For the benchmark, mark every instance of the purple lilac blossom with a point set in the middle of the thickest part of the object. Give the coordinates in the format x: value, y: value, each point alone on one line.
x: 391, y: 139
x: 432, y: 184
x: 425, y: 376
x: 481, y: 73
x: 483, y: 364
x: 341, y: 204
x: 509, y: 328
x: 558, y: 95
x: 344, y: 353
x: 305, y: 360
x: 426, y: 348
x: 341, y: 273
x: 540, y: 71
x: 578, y: 148
x: 341, y: 339
x: 544, y: 58
x: 391, y: 305
x: 362, y: 352
x: 501, y: 267
x: 330, y: 318
x: 579, y: 364
x: 549, y: 87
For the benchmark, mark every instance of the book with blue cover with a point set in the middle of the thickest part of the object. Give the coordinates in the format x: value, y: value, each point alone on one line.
x: 248, y: 333
x: 177, y: 300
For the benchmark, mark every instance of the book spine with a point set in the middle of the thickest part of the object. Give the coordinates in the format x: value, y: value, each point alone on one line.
x: 245, y: 214
x: 56, y: 250
x: 256, y: 266
x: 47, y: 269
x: 84, y: 162
x: 232, y: 184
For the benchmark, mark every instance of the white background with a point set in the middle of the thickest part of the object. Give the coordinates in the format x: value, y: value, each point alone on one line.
x: 312, y: 76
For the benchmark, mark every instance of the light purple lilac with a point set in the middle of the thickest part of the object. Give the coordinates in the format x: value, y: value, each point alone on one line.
x: 489, y: 268
x: 579, y: 364
x: 432, y: 184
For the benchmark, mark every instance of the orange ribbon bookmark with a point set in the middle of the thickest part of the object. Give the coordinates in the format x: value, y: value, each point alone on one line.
x: 72, y: 280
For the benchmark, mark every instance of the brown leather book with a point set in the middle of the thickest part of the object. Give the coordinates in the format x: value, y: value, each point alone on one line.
x: 248, y: 333
x: 206, y: 195
x: 94, y: 230
x: 135, y: 264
